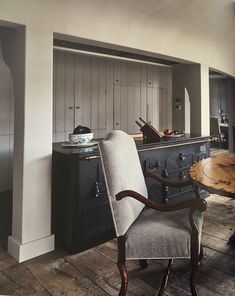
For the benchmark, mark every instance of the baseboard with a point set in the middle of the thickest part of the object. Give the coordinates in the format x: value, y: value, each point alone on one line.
x: 23, y: 252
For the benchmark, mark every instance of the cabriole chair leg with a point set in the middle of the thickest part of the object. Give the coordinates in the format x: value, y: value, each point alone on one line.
x: 121, y: 265
x: 165, y: 278
x: 201, y: 255
x: 192, y: 280
x: 143, y: 263
x: 124, y: 277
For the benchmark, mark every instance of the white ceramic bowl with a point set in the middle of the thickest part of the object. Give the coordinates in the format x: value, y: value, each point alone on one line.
x: 81, y: 138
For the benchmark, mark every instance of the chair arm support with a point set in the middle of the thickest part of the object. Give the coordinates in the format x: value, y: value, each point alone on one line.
x: 193, y: 204
x: 167, y: 182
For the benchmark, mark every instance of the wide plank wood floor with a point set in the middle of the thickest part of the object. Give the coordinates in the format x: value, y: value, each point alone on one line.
x: 94, y: 272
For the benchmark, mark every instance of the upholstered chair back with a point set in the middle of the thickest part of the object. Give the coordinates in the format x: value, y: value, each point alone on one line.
x: 122, y: 171
x: 214, y: 126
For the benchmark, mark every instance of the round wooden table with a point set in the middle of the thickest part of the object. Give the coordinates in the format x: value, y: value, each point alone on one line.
x: 216, y: 175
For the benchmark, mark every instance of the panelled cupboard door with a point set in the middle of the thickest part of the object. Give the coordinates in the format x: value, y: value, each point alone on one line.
x: 69, y: 94
x: 127, y: 95
x: 59, y: 96
x: 127, y: 108
x: 159, y: 97
x: 83, y: 96
x: 93, y: 92
x: 153, y: 110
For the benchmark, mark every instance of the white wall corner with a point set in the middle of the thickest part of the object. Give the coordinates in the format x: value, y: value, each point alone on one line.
x: 23, y: 252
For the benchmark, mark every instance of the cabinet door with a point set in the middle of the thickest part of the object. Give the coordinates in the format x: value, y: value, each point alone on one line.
x: 94, y: 94
x: 127, y: 95
x: 96, y: 214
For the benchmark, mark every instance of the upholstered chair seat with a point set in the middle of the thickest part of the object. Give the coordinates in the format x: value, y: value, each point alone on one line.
x: 159, y: 235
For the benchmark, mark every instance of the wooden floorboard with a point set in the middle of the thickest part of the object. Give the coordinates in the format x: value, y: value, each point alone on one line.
x: 94, y: 271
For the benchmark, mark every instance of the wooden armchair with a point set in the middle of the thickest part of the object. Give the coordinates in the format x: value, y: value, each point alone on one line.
x: 145, y: 229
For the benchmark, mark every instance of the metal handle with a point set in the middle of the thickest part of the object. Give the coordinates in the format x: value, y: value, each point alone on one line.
x: 97, y: 189
x: 182, y: 175
x: 92, y: 157
x: 181, y: 156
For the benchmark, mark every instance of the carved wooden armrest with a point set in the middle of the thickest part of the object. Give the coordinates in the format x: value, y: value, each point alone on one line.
x: 193, y: 204
x: 167, y: 182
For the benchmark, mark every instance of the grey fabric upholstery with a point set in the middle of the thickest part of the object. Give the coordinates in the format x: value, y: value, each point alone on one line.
x: 159, y: 235
x: 122, y: 171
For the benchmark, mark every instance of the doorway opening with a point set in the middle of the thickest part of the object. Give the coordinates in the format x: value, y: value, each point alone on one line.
x: 219, y: 110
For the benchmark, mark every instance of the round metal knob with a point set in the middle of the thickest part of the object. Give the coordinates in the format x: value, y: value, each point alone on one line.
x: 181, y: 156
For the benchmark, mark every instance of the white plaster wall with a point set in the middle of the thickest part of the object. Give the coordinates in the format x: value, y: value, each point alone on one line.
x: 198, y: 31
x: 205, y: 100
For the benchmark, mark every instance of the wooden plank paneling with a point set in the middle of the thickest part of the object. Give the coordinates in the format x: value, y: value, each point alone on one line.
x: 155, y: 108
x: 134, y: 70
x: 143, y: 91
x: 161, y: 113
x: 117, y: 107
x: 109, y: 81
x: 149, y: 75
x: 130, y: 109
x: 78, y: 90
x: 137, y: 108
x: 163, y: 77
x: 101, y: 94
x: 86, y: 98
x: 95, y: 94
x: 117, y: 72
x: 60, y: 136
x: 106, y: 94
x: 124, y: 105
x: 60, y: 107
x: 156, y: 73
x: 123, y: 73
x: 168, y: 122
x: 69, y: 93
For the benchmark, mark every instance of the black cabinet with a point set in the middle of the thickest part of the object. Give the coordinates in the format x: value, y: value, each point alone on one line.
x: 81, y: 215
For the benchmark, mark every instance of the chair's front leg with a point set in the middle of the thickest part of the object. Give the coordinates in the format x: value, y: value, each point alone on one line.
x: 165, y: 278
x: 194, y: 254
x: 121, y: 265
x: 201, y: 254
x: 193, y: 277
x: 144, y: 263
